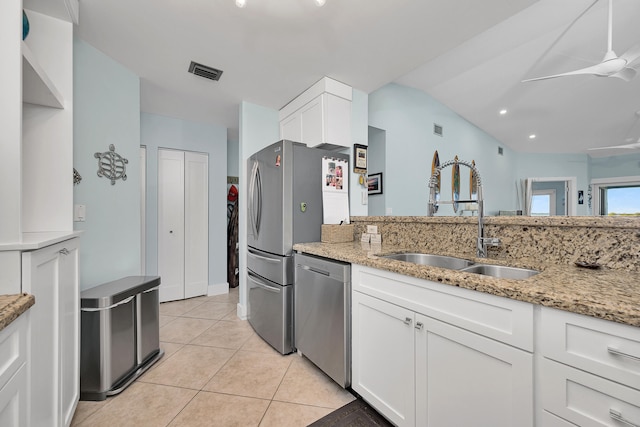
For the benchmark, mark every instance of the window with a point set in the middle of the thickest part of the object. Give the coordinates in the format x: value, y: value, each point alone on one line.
x: 616, y: 196
x: 543, y: 203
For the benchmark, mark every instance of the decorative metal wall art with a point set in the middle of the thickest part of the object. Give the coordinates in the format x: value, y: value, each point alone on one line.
x: 112, y: 165
x: 76, y: 177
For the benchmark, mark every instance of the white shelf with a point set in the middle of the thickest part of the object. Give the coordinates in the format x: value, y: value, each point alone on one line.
x: 37, y: 87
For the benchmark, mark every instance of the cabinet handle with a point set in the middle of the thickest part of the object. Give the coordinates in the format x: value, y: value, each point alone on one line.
x: 407, y: 320
x: 617, y: 352
x: 64, y: 251
x: 616, y: 415
x: 419, y: 326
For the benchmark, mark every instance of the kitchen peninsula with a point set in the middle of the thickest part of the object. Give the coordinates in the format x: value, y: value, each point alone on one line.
x: 514, y: 352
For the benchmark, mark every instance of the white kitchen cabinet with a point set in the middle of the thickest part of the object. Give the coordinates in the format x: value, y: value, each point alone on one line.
x: 183, y: 218
x: 50, y: 275
x: 437, y: 369
x: 590, y: 373
x: 320, y: 116
x: 383, y: 352
x: 13, y: 372
x: 463, y: 378
x: 36, y: 143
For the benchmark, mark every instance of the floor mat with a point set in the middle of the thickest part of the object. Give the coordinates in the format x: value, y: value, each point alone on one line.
x: 355, y: 414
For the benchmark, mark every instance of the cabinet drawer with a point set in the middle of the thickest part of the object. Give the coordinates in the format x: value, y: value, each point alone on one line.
x: 608, y: 349
x: 13, y: 347
x: 585, y: 399
x: 502, y: 319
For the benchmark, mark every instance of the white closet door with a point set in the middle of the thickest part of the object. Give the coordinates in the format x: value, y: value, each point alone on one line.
x: 196, y: 206
x: 171, y: 224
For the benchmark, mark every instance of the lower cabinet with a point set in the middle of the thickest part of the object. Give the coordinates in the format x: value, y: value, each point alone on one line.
x: 383, y: 357
x: 418, y: 371
x: 590, y: 371
x: 13, y: 372
x: 50, y: 274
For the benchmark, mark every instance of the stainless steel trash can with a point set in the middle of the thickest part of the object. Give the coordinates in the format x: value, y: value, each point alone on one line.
x: 119, y: 337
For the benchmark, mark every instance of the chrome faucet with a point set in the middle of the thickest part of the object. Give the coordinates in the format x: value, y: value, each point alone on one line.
x: 482, y: 242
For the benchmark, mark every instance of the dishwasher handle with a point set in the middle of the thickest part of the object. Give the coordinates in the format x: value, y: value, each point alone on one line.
x: 314, y: 270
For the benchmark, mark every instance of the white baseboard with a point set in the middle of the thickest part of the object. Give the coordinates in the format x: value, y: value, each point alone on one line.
x: 241, y: 311
x: 218, y: 289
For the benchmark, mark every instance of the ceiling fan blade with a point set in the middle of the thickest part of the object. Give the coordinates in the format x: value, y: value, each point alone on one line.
x: 627, y: 74
x: 635, y: 145
x: 592, y: 70
x: 632, y: 54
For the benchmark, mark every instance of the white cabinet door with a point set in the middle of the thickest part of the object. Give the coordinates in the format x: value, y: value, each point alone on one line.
x: 171, y: 224
x: 463, y: 378
x: 312, y: 122
x: 290, y: 128
x: 196, y: 225
x: 41, y: 278
x: 14, y: 410
x: 69, y: 331
x: 383, y: 357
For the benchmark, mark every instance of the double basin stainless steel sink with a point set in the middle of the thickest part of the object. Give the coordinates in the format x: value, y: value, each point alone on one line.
x: 460, y: 264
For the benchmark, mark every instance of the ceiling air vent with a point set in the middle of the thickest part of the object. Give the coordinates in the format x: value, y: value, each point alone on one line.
x: 204, y: 71
x: 437, y: 129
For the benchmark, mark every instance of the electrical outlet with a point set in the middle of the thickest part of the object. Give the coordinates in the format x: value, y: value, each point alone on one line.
x: 79, y: 213
x: 372, y: 229
x: 365, y: 197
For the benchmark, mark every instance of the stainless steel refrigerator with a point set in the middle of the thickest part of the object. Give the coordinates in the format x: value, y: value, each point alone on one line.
x: 284, y: 208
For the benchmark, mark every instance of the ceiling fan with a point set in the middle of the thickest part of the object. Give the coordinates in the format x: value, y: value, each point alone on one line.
x: 611, y: 65
x: 631, y: 145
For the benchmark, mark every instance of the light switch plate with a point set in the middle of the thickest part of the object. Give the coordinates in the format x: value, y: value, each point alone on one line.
x: 79, y: 213
x: 372, y: 229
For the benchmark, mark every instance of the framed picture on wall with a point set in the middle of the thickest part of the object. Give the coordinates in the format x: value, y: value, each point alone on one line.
x: 374, y: 183
x: 359, y: 158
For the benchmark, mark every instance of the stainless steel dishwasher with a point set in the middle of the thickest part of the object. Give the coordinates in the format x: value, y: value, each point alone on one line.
x: 322, y: 322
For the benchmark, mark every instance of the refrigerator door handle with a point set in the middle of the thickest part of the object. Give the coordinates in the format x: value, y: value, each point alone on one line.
x: 252, y: 208
x: 264, y: 285
x: 259, y: 186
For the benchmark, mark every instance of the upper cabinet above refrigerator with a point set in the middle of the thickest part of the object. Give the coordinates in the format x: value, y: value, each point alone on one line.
x: 320, y: 116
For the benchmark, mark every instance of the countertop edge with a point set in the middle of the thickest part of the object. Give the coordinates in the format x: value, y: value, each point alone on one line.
x: 12, y: 306
x: 561, y: 287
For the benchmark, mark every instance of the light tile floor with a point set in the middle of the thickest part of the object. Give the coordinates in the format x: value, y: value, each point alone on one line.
x: 217, y: 371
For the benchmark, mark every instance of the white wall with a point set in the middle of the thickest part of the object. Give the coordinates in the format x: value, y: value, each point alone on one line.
x: 407, y: 115
x: 166, y: 132
x: 359, y: 135
x: 259, y: 128
x: 106, y: 111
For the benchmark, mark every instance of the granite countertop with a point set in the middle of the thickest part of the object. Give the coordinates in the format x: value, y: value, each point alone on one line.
x: 604, y: 293
x: 12, y: 306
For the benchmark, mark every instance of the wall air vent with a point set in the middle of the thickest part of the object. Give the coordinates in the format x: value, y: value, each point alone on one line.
x: 437, y: 129
x: 204, y: 71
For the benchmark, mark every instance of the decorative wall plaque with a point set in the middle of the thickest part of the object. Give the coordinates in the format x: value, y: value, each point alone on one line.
x: 112, y: 165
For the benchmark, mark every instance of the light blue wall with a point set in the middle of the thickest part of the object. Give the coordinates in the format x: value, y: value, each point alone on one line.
x: 376, y: 162
x: 106, y: 111
x: 166, y: 132
x: 408, y: 115
x: 359, y: 135
x: 615, y: 166
x: 259, y: 127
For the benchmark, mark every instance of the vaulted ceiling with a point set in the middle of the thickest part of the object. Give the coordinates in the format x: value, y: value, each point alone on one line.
x: 469, y: 54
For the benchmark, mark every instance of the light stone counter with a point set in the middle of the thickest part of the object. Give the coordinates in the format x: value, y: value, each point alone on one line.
x: 12, y: 306
x: 605, y: 293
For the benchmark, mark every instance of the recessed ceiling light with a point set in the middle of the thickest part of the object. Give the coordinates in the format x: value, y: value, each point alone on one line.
x: 320, y: 3
x: 532, y: 136
x: 503, y: 112
x: 241, y: 3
